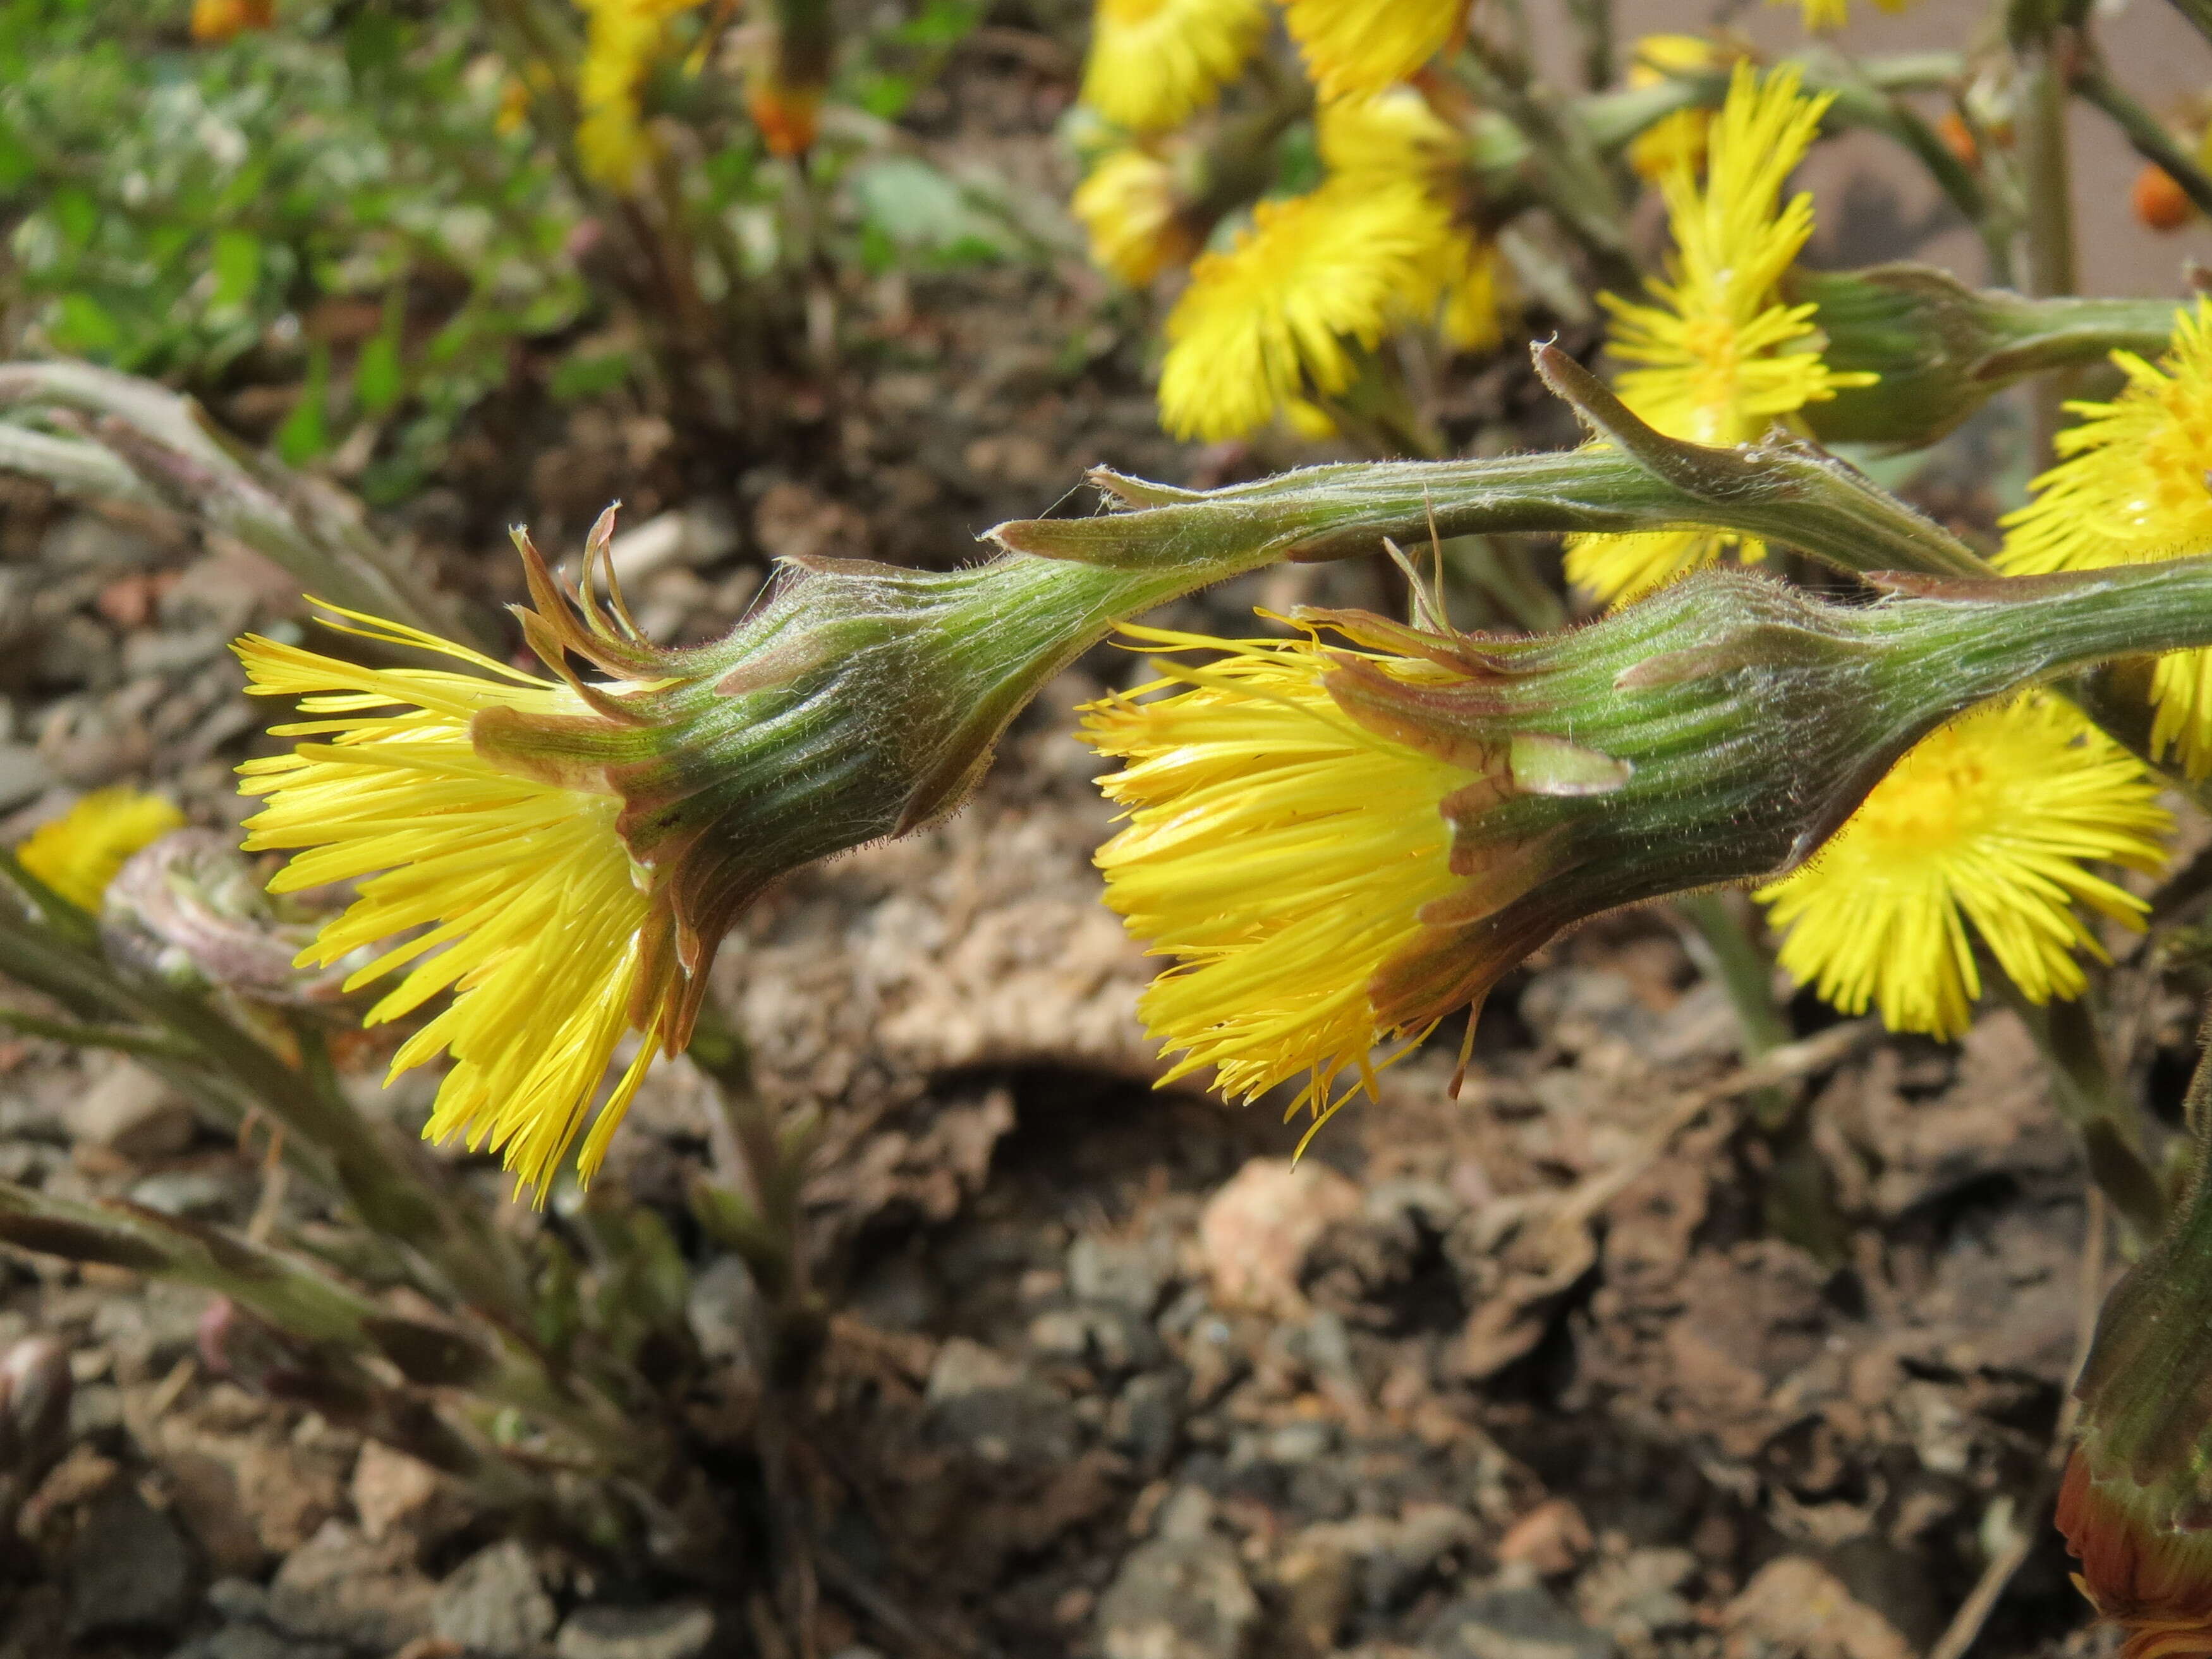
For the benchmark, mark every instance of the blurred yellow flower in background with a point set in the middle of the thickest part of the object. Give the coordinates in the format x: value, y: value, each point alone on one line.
x: 1266, y: 320
x: 1153, y: 63
x: 78, y: 854
x: 1675, y: 141
x: 1354, y: 46
x: 622, y: 40
x: 1133, y: 213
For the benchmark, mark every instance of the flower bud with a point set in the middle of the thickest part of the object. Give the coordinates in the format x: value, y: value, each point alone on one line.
x: 1940, y: 349
x: 2136, y: 1502
x: 189, y: 909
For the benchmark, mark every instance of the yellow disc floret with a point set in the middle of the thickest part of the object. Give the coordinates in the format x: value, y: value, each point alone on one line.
x: 2132, y: 487
x: 78, y: 854
x: 1265, y: 322
x: 1279, y: 853
x: 1154, y: 63
x: 1984, y: 830
x: 516, y: 896
x: 1716, y: 356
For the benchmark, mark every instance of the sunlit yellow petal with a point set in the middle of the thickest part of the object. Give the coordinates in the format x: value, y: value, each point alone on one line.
x: 2130, y: 488
x: 78, y: 854
x: 1984, y: 831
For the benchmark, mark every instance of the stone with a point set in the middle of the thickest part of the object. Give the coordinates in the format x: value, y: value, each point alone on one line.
x: 196, y: 1194
x: 24, y: 774
x: 1551, y: 1539
x: 131, y: 1568
x: 247, y: 1495
x: 394, y: 1495
x: 1178, y: 1597
x: 85, y: 541
x: 980, y: 1398
x: 340, y: 1587
x: 673, y: 1630
x: 1637, y: 1596
x: 1796, y: 1608
x: 250, y: 1641
x: 1513, y: 1618
x: 495, y: 1604
x: 1146, y: 1418
x: 133, y: 1114
x: 1122, y: 1273
x: 1255, y: 1233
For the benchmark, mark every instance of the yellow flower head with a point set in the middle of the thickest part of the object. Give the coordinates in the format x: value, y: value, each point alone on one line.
x: 1823, y: 15
x: 1268, y: 320
x: 1131, y: 207
x: 1990, y: 821
x: 1354, y: 46
x: 1675, y: 142
x: 1391, y: 134
x: 2130, y: 487
x: 78, y: 854
x: 622, y: 38
x: 1153, y: 63
x: 1279, y: 851
x: 514, y: 894
x: 1716, y: 356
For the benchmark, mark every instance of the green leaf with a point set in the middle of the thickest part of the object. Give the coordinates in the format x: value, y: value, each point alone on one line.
x: 86, y: 327
x: 75, y: 213
x: 305, y: 433
x: 379, y: 379
x: 582, y: 376
x: 237, y: 266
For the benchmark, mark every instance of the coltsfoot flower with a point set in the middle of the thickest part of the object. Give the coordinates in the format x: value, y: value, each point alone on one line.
x: 1346, y: 836
x: 2130, y: 488
x: 1154, y: 63
x: 1986, y: 831
x: 78, y: 854
x: 516, y: 894
x: 1271, y: 321
x: 1823, y: 16
x: 1135, y: 216
x: 1716, y: 356
x: 622, y: 38
x: 1354, y: 46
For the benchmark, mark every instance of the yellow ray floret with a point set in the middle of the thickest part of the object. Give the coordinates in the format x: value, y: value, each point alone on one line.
x: 1823, y: 16
x: 1984, y: 830
x: 1130, y: 206
x: 1354, y: 46
x: 1279, y: 853
x: 1266, y: 321
x: 515, y: 896
x: 622, y: 40
x: 2130, y: 489
x: 1153, y: 63
x: 78, y: 854
x: 1715, y: 355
